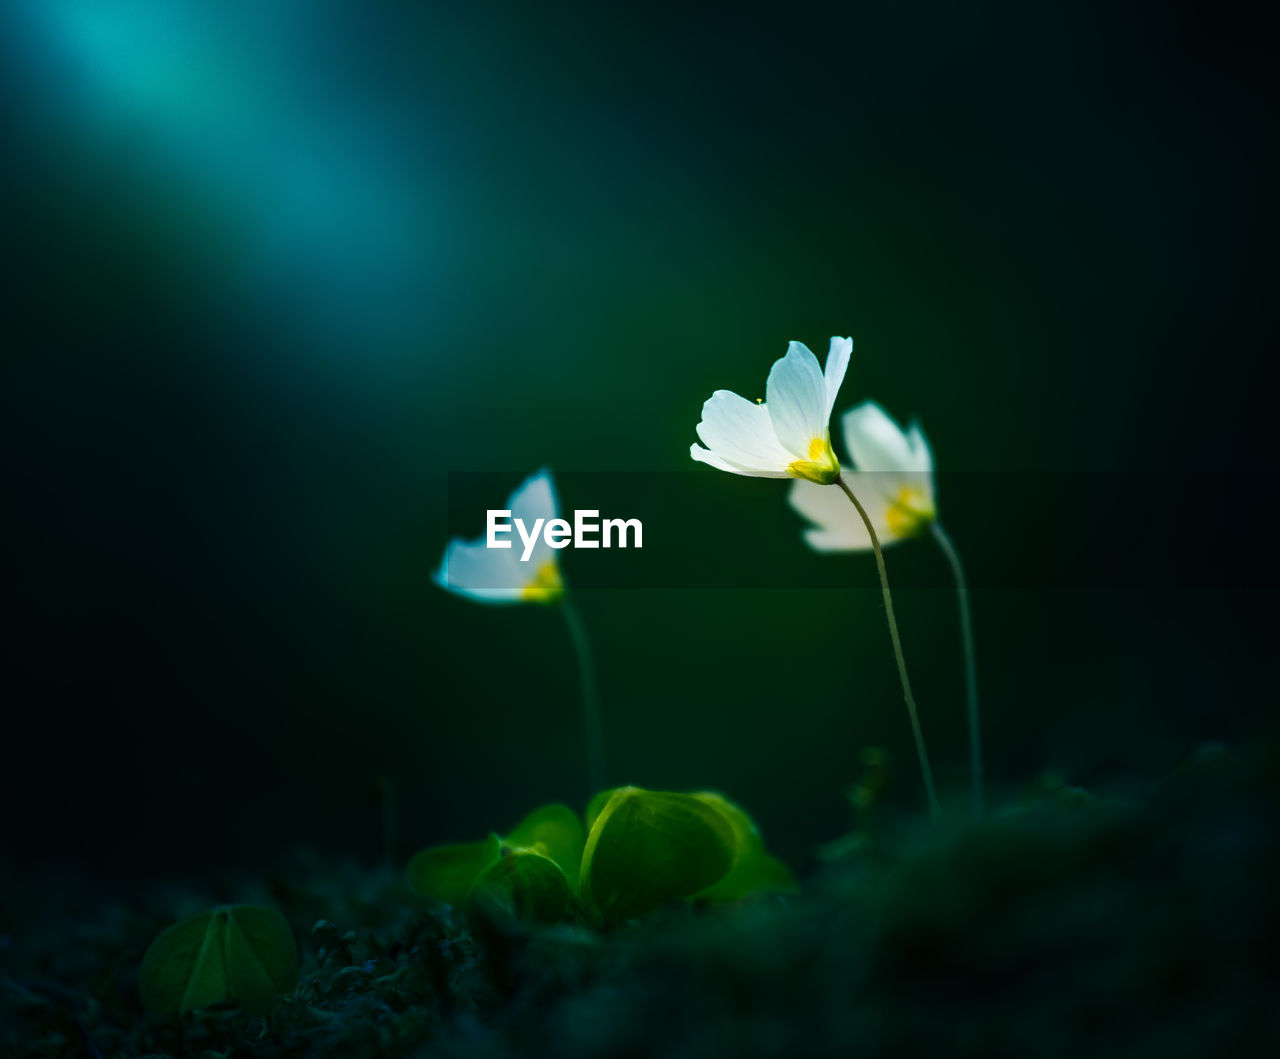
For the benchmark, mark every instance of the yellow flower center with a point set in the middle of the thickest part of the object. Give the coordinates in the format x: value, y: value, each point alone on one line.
x: 911, y: 512
x: 546, y: 586
x: 821, y: 466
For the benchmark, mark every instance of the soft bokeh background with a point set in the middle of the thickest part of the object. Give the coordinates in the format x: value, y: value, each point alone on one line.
x: 275, y: 269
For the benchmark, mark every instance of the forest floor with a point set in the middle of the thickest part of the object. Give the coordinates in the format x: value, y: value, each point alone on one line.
x: 1071, y: 926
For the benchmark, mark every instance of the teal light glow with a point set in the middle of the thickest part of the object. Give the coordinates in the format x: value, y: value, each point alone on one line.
x: 248, y: 116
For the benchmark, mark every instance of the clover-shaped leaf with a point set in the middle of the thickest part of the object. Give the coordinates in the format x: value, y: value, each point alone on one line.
x: 596, y: 806
x: 555, y: 832
x: 445, y: 873
x: 521, y: 885
x: 234, y: 952
x: 496, y: 875
x: 753, y: 870
x: 649, y: 847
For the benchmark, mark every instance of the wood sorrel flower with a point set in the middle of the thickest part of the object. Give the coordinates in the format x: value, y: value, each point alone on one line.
x: 501, y: 575
x: 894, y: 481
x: 786, y: 436
x: 506, y: 573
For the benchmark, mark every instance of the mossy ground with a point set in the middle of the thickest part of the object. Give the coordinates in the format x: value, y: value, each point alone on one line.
x: 1065, y: 927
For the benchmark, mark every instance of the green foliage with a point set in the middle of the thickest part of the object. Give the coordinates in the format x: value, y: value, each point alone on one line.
x: 753, y: 869
x: 1136, y: 913
x: 235, y: 952
x: 556, y: 833
x: 531, y: 873
x: 445, y: 873
x: 646, y: 848
x: 596, y: 805
x: 521, y: 885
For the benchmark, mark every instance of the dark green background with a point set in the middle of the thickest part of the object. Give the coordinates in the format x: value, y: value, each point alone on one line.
x: 272, y: 277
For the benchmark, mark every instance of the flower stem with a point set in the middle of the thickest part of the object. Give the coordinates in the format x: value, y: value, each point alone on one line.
x: 970, y: 663
x: 593, y: 732
x: 934, y: 809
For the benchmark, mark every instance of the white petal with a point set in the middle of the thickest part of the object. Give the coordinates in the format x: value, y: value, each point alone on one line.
x: 825, y: 506
x: 837, y: 525
x: 712, y: 460
x: 923, y: 477
x: 740, y: 432
x: 491, y: 575
x: 837, y: 364
x: 875, y: 441
x: 922, y: 457
x: 535, y: 498
x: 874, y: 503
x: 828, y: 541
x: 796, y: 397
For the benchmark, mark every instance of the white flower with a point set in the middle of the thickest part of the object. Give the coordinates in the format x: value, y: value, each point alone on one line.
x: 498, y: 575
x: 788, y: 435
x: 894, y: 481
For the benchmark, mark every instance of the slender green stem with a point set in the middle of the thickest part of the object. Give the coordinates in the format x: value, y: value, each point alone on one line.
x: 970, y: 663
x: 592, y: 730
x: 921, y: 753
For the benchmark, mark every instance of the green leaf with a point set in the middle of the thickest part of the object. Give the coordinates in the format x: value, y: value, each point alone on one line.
x: 753, y: 869
x: 183, y: 968
x: 521, y: 885
x: 556, y: 833
x: 445, y: 873
x: 596, y: 806
x: 649, y: 847
x: 234, y: 952
x: 261, y: 957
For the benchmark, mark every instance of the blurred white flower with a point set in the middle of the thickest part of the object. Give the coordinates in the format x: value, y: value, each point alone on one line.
x: 893, y: 479
x: 786, y: 436
x: 498, y: 575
